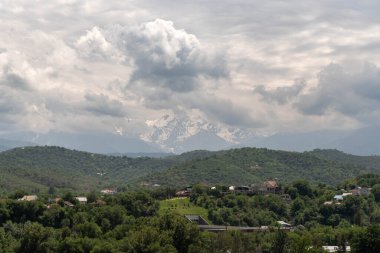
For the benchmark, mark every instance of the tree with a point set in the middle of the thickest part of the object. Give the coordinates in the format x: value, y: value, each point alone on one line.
x: 367, y: 241
x: 88, y: 229
x: 183, y: 233
x: 91, y: 197
x: 280, y: 241
x: 52, y: 190
x: 376, y: 192
x: 35, y: 239
x: 7, y: 242
x: 303, y: 188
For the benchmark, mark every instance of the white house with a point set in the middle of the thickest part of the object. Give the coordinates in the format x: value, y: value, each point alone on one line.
x: 335, y: 248
x: 29, y: 198
x: 82, y: 200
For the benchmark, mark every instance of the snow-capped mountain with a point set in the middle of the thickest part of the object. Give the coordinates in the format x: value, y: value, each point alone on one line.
x: 180, y: 134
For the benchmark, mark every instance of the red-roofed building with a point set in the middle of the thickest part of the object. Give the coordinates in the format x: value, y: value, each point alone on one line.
x: 269, y: 186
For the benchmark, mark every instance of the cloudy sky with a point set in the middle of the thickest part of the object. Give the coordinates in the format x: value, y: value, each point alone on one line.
x: 269, y: 66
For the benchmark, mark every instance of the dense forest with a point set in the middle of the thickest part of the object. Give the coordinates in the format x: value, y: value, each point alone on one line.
x: 36, y: 169
x: 133, y: 221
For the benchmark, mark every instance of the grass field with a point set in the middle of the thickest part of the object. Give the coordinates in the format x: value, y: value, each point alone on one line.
x: 182, y: 206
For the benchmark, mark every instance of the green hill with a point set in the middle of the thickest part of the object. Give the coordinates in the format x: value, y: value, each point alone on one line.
x: 251, y: 165
x: 36, y: 168
x: 368, y: 162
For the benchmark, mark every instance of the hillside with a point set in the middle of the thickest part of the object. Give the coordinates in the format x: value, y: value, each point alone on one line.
x: 368, y: 162
x: 251, y: 165
x: 36, y: 168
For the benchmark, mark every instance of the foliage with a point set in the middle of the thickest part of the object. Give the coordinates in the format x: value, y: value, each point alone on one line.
x: 132, y: 222
x: 57, y: 170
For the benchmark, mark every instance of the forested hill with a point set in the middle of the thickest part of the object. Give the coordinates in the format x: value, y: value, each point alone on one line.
x: 252, y: 165
x: 40, y: 167
x: 368, y: 162
x: 37, y: 168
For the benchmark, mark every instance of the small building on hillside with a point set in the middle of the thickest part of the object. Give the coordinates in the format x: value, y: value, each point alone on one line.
x: 286, y: 197
x: 108, y: 191
x: 284, y: 224
x: 242, y: 189
x: 335, y: 249
x: 29, y: 198
x: 197, y: 219
x: 361, y: 191
x: 269, y: 186
x: 68, y: 204
x: 338, y: 198
x: 183, y: 193
x: 81, y: 200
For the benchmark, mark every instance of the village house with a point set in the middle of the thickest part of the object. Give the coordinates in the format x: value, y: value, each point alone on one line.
x: 108, y: 191
x: 197, y: 219
x: 29, y: 198
x: 183, y: 193
x: 243, y: 189
x: 68, y: 204
x: 269, y: 186
x: 361, y: 191
x: 286, y: 197
x: 81, y: 200
x: 284, y: 224
x: 335, y: 249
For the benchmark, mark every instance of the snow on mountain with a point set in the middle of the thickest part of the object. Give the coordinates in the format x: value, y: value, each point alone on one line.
x: 180, y: 134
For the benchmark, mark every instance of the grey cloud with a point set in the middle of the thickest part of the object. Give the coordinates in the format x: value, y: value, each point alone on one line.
x: 101, y: 104
x: 352, y: 90
x: 228, y: 113
x: 215, y: 108
x: 278, y: 42
x: 15, y: 81
x: 11, y: 107
x: 95, y: 47
x: 163, y: 55
x: 222, y: 110
x: 159, y: 98
x: 281, y: 95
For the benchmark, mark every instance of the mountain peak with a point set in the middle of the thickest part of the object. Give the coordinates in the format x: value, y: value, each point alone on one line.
x: 174, y: 133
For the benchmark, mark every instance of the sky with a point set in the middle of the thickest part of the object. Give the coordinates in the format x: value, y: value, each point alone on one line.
x: 111, y: 66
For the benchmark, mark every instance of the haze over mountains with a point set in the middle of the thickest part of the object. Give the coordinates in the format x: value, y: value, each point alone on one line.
x: 177, y: 135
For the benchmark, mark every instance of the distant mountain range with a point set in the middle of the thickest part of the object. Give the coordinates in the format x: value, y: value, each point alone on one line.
x: 169, y: 135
